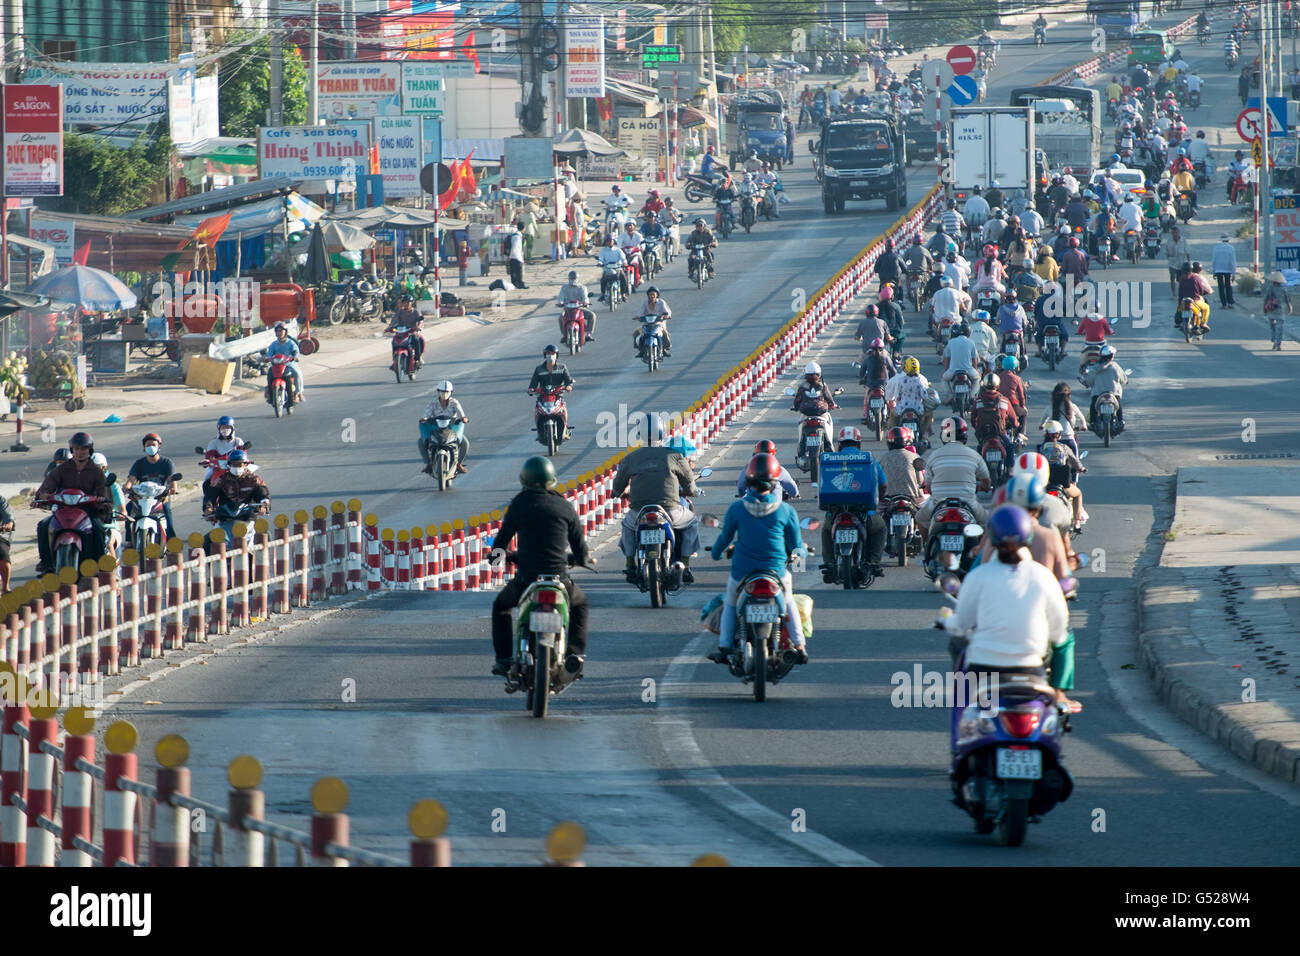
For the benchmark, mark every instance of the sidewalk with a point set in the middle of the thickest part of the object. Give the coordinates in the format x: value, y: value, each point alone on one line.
x: 1223, y: 608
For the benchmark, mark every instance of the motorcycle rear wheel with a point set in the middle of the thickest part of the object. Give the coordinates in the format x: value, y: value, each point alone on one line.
x: 338, y: 311
x: 846, y: 572
x: 694, y: 193
x: 400, y: 367
x: 277, y: 400
x: 67, y: 557
x: 654, y: 574
x: 540, y: 695
x: 551, y: 444
x: 759, y: 650
x: 1014, y: 823
x: 814, y: 467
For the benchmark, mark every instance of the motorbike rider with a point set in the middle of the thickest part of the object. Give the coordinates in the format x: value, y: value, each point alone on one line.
x: 630, y: 242
x: 1192, y: 283
x: 444, y: 406
x: 1185, y: 182
x: 850, y: 441
x: 813, y: 397
x: 81, y: 473
x: 917, y: 258
x: 948, y: 302
x: 670, y: 217
x: 766, y: 533
x: 653, y: 232
x: 1012, y: 319
x: 1029, y: 491
x: 1044, y: 306
x: 703, y: 238
x: 938, y: 244
x: 574, y: 291
x: 654, y: 305
x: 960, y: 355
x: 1040, y: 25
x: 953, y: 223
x: 725, y: 193
x: 711, y: 167
x: 1197, y: 310
x: 908, y: 390
x: 154, y: 467
x: 1101, y: 227
x: 995, y: 197
x: 1013, y: 389
x: 653, y: 204
x: 1074, y: 262
x: 548, y: 529
x: 891, y: 313
x: 988, y: 273
x: 552, y: 374
x: 1130, y: 214
x: 871, y: 327
x: 283, y: 345
x: 976, y: 211
x: 983, y: 335
x: 240, y: 485
x: 904, y: 470
x: 612, y: 256
x: 888, y: 267
x: 789, y: 487
x: 1064, y: 468
x: 766, y: 181
x: 877, y: 370
x: 113, y: 528
x: 956, y: 268
x: 995, y: 417
x: 406, y: 315
x: 656, y: 475
x: 617, y: 200
x: 1105, y: 377
x: 955, y: 471
x: 221, y: 446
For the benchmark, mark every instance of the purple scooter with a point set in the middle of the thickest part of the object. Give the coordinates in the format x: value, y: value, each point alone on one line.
x: 1007, y: 768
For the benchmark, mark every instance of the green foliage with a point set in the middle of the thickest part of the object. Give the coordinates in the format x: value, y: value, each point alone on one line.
x: 960, y: 19
x: 101, y: 179
x: 245, y: 79
x: 759, y: 24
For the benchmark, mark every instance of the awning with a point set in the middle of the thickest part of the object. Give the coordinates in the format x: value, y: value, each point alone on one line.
x: 229, y: 150
x: 397, y: 217
x: 41, y: 253
x: 123, y: 245
x: 489, y: 152
x: 690, y: 116
x: 219, y: 199
x: 266, y: 215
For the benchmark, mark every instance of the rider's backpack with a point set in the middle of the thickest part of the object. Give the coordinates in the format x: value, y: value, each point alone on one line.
x: 986, y: 418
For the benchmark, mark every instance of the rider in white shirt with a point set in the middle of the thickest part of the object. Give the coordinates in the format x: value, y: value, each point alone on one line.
x: 1130, y: 214
x: 976, y: 211
x: 630, y: 242
x: 1193, y: 83
x: 960, y: 355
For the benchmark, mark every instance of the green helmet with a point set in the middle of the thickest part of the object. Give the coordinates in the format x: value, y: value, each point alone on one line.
x: 538, y: 472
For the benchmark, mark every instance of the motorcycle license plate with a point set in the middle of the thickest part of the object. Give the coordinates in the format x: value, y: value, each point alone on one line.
x: 846, y: 537
x: 1106, y: 409
x: 952, y: 542
x: 992, y: 456
x: 961, y: 389
x: 762, y: 613
x: 814, y: 441
x: 548, y: 622
x: 655, y: 536
x: 877, y: 403
x: 1010, y: 348
x: 1020, y: 764
x: 900, y: 521
x: 1052, y: 341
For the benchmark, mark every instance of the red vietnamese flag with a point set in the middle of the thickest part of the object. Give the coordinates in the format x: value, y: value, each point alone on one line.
x: 82, y: 255
x: 470, y: 52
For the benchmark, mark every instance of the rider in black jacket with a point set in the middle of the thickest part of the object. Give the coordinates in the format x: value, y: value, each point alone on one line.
x: 548, y: 530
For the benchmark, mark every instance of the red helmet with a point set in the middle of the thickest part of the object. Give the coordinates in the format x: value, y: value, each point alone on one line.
x: 850, y: 434
x: 1074, y: 242
x: 763, y: 472
x: 886, y: 292
x: 990, y: 251
x: 654, y: 194
x: 897, y: 438
x: 765, y: 447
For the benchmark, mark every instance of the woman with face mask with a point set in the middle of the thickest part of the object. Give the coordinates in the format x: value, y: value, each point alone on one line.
x: 154, y: 467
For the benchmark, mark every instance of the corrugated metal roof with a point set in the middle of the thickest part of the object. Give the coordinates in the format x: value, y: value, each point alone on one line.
x: 217, y: 199
x: 485, y: 150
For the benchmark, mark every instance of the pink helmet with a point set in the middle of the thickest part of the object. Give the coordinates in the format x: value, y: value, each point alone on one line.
x: 886, y: 294
x: 877, y: 343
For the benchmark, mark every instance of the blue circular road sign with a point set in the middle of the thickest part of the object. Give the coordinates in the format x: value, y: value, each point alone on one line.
x: 963, y: 90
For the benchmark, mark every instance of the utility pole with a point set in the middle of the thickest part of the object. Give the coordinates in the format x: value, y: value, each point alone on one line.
x: 313, y: 80
x: 713, y: 77
x: 350, y: 29
x: 530, y: 67
x: 277, y: 66
x: 1265, y: 197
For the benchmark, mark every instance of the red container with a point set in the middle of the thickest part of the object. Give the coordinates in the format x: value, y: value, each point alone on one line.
x: 284, y: 302
x: 198, y: 313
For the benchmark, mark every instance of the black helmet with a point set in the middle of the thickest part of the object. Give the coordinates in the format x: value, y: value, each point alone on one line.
x: 62, y: 455
x: 550, y: 350
x: 538, y: 473
x: 82, y: 440
x: 654, y: 289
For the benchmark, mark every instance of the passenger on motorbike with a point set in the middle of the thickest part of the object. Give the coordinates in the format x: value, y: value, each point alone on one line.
x: 726, y: 193
x: 655, y: 475
x: 976, y: 211
x: 908, y: 390
x: 766, y: 533
x: 956, y: 268
x: 888, y: 267
x: 988, y: 273
x: 1185, y: 182
x: 813, y: 397
x: 767, y: 182
x: 938, y: 272
x: 1013, y: 390
x: 1064, y: 468
x: 711, y: 167
x: 872, y: 326
x: 240, y: 485
x: 1012, y: 318
x: 877, y: 370
x: 1105, y: 377
x: 444, y: 406
x: 113, y: 528
x: 993, y: 228
x: 548, y: 530
x: 81, y: 473
x: 1066, y: 414
x: 574, y: 291
x: 994, y: 417
x: 406, y: 315
x: 1197, y: 309
x: 891, y: 313
x: 654, y: 305
x: 983, y: 335
x: 612, y: 256
x: 225, y: 442
x: 789, y: 487
x: 955, y: 471
x: 1029, y: 491
x: 1074, y: 262
x: 551, y: 374
x: 154, y: 467
x: 630, y: 242
x: 904, y: 470
x: 867, y: 509
x: 283, y: 345
x: 701, y: 237
x: 1076, y: 212
x: 960, y: 355
x: 653, y: 205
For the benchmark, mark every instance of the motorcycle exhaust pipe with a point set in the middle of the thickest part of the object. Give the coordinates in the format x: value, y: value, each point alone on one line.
x: 789, y: 658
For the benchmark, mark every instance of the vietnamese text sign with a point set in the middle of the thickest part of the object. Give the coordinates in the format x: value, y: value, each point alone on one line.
x: 422, y: 89
x: 33, y: 137
x: 59, y: 233
x: 401, y: 154
x: 311, y: 152
x: 1286, y: 231
x: 107, y: 94
x: 359, y: 90
x: 654, y: 54
x: 584, y: 57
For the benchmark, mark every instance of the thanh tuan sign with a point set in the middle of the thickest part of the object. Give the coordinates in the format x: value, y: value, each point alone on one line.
x: 33, y: 137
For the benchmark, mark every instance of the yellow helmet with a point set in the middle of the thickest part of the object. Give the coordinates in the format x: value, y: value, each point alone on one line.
x: 911, y: 366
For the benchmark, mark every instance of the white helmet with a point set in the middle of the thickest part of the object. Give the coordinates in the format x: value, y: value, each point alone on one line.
x: 99, y: 459
x: 445, y: 386
x: 1031, y: 463
x: 812, y: 368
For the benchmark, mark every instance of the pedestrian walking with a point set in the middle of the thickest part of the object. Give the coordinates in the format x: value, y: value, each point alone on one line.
x: 1277, y: 305
x: 527, y: 222
x: 1223, y: 263
x: 515, y: 257
x: 485, y: 251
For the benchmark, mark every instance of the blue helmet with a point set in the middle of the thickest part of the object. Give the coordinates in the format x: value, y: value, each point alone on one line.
x: 1009, y: 363
x: 225, y: 421
x: 237, y: 456
x: 1010, y: 525
x: 1026, y: 490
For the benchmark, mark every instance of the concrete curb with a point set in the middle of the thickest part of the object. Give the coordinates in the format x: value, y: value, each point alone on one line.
x: 1201, y: 690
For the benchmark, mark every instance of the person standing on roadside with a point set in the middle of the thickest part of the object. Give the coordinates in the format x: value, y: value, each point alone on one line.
x: 1275, y: 302
x: 527, y: 222
x: 1223, y: 264
x: 515, y: 258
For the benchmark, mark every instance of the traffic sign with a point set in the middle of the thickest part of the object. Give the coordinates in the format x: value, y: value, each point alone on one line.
x: 654, y: 54
x: 936, y: 73
x: 1257, y: 151
x: 1276, y: 113
x: 962, y: 59
x: 927, y: 110
x: 680, y: 78
x: 1249, y: 124
x: 963, y: 90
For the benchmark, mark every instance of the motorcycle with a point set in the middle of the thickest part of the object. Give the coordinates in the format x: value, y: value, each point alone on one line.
x: 226, y: 515
x: 442, y: 439
x: 70, y: 519
x: 698, y: 188
x: 1052, y: 351
x: 1238, y: 188
x: 1103, y: 251
x: 748, y: 212
x: 403, y: 353
x: 697, y: 266
x: 651, y: 343
x: 1230, y: 59
x: 988, y: 300
x: 575, y: 327
x: 1203, y: 36
x: 1184, y: 206
x: 1192, y: 328
x: 540, y: 667
x: 1013, y: 343
x: 725, y: 217
x: 1112, y: 106
x: 1007, y: 767
x: 1151, y: 237
x: 1194, y: 99
x: 915, y: 289
x: 358, y: 300
x: 904, y: 539
x: 849, y: 536
x: 1040, y: 36
x: 655, y: 545
x: 961, y: 391
x: 144, y: 512
x: 910, y: 418
x: 813, y: 438
x: 615, y: 218
x: 945, y: 328
x: 612, y: 281
x: 549, y: 416
x: 650, y: 258
x: 1104, y: 423
x: 279, y: 393
x: 876, y: 411
x: 953, y: 540
x: 992, y: 451
x: 1201, y: 173
x: 1132, y: 246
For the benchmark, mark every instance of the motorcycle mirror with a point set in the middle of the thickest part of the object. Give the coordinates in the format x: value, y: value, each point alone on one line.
x: 710, y: 521
x: 1082, y: 559
x: 838, y: 391
x: 110, y: 479
x: 198, y: 450
x: 810, y: 524
x: 1128, y: 371
x: 706, y: 472
x: 948, y: 583
x: 248, y: 446
x: 973, y: 531
x: 789, y: 391
x: 177, y: 476
x: 1083, y: 455
x: 855, y: 365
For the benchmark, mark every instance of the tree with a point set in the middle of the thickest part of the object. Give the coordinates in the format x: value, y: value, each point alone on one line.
x: 245, y: 78
x: 101, y: 179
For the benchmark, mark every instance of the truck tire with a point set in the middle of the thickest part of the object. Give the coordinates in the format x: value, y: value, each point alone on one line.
x: 839, y: 205
x: 828, y: 204
x: 891, y: 202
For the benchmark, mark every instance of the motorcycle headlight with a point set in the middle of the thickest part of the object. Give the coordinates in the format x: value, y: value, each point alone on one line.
x: 829, y: 171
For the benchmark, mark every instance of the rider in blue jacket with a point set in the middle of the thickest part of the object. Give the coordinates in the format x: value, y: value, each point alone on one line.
x: 766, y: 532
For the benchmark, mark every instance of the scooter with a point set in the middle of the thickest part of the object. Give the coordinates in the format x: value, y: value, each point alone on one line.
x: 69, y: 521
x: 403, y: 353
x: 575, y: 327
x: 612, y: 279
x: 903, y: 540
x: 961, y: 391
x: 549, y: 416
x: 279, y: 391
x: 813, y: 438
x: 748, y: 212
x: 144, y: 511
x: 697, y: 266
x: 615, y: 218
x: 225, y: 516
x: 849, y: 537
x: 725, y: 217
x: 763, y: 652
x: 651, y: 344
x: 441, y: 437
x: 953, y: 540
x: 1052, y: 349
x: 656, y: 570
x: 1007, y: 768
x: 988, y: 300
x: 1151, y: 237
x: 876, y: 411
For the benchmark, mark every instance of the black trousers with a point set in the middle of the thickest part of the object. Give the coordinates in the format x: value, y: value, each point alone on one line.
x: 502, y: 632
x: 516, y: 270
x: 1225, y: 287
x: 876, y: 533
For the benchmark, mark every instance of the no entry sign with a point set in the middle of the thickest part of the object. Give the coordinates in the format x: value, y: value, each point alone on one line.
x: 962, y: 59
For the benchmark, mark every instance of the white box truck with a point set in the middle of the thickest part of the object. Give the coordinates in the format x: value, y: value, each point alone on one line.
x: 992, y: 144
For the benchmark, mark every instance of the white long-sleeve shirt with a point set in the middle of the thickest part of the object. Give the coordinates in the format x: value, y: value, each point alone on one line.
x: 1014, y: 614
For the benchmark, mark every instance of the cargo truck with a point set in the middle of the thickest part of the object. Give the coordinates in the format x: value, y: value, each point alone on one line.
x: 861, y: 156
x: 756, y: 121
x: 1067, y: 125
x: 992, y: 144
